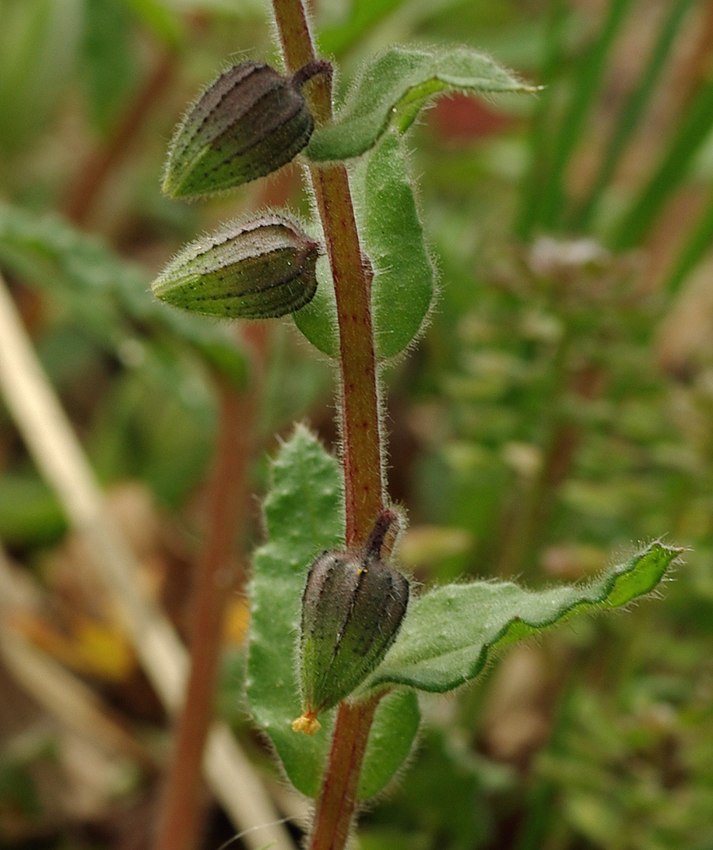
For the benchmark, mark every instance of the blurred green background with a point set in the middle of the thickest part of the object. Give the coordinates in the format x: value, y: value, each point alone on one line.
x: 557, y: 412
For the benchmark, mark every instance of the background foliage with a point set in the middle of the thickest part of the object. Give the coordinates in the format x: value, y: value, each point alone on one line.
x: 556, y: 413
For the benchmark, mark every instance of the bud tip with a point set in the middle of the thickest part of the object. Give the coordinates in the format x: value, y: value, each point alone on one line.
x: 307, y: 724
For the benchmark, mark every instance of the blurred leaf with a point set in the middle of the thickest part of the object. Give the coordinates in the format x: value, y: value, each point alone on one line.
x: 362, y: 17
x: 29, y: 512
x: 586, y: 85
x: 696, y: 246
x: 156, y: 423
x: 393, y: 89
x: 38, y: 46
x: 304, y: 515
x: 449, y: 633
x: 158, y: 17
x: 632, y: 110
x: 109, y: 62
x: 104, y: 289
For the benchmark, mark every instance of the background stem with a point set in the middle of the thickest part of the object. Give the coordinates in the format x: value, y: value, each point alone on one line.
x: 181, y: 809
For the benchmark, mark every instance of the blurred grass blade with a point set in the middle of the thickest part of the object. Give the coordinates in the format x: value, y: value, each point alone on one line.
x: 695, y: 248
x: 693, y: 129
x: 540, y: 141
x: 449, y: 634
x: 586, y: 87
x: 109, y: 63
x: 631, y: 112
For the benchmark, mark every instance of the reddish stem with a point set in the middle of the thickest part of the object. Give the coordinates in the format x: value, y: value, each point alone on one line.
x: 359, y: 407
x: 338, y: 799
x: 180, y: 814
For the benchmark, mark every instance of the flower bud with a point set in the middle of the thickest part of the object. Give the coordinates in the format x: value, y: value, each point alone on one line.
x: 257, y: 270
x: 352, y: 610
x: 250, y: 121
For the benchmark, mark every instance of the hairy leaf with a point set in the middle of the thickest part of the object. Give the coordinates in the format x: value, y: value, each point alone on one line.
x: 402, y: 290
x: 391, y: 233
x: 395, y: 86
x: 449, y: 633
x: 304, y: 515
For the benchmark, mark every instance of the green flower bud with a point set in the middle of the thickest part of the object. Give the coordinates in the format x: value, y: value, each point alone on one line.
x: 257, y: 270
x: 246, y: 124
x: 352, y: 610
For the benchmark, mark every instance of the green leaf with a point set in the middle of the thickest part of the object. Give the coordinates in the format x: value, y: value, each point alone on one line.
x: 449, y: 633
x: 318, y: 320
x: 394, y: 88
x: 402, y: 290
x: 390, y: 740
x: 362, y: 17
x: 303, y: 516
x: 390, y: 229
x: 689, y: 134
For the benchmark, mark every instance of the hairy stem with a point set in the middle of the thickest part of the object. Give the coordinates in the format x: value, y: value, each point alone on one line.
x: 359, y: 413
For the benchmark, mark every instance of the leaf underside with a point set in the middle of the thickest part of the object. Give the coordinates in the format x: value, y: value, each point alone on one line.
x: 394, y: 88
x: 449, y: 633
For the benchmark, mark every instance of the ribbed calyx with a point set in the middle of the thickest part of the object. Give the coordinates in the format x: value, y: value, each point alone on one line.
x: 255, y: 270
x: 247, y: 123
x: 352, y: 609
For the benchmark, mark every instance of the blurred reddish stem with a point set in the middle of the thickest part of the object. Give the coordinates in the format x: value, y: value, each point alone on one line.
x: 180, y: 814
x: 90, y: 179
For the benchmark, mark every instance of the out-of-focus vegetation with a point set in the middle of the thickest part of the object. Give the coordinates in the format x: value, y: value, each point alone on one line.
x: 558, y: 412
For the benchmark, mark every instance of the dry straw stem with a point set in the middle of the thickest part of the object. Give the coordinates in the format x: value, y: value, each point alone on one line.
x: 59, y: 456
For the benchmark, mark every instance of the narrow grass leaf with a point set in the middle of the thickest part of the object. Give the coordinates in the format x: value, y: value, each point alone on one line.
x: 694, y: 128
x: 631, y: 112
x: 393, y: 89
x: 449, y: 633
x: 540, y: 143
x: 587, y: 84
x: 695, y: 248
